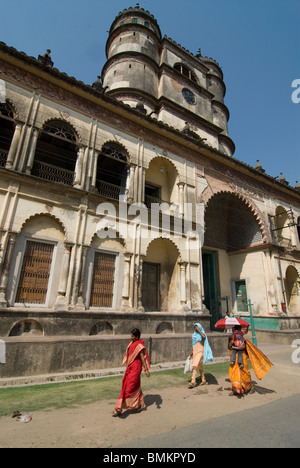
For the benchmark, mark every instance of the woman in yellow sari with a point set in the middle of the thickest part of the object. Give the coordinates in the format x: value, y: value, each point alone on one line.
x: 240, y: 376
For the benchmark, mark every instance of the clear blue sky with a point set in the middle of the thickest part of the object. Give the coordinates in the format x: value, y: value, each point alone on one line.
x: 256, y: 42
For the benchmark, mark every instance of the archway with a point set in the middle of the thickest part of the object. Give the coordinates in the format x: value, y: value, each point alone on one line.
x: 282, y: 222
x: 292, y: 283
x: 233, y: 230
x: 230, y: 224
x: 160, y: 277
x: 161, y: 182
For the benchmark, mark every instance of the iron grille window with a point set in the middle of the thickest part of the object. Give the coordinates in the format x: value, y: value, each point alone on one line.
x: 6, y: 131
x: 3, y: 157
x: 60, y: 130
x: 103, y: 280
x: 112, y: 168
x: 6, y: 111
x: 56, y: 153
x: 35, y: 273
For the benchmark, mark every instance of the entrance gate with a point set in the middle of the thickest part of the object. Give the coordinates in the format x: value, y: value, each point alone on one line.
x: 211, y: 289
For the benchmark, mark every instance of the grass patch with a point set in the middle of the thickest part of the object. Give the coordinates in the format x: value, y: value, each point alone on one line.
x: 76, y: 393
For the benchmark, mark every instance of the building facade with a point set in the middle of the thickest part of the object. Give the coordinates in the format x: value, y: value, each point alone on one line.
x: 122, y: 204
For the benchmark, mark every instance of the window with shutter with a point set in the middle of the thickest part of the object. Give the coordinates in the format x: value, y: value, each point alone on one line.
x: 35, y: 273
x: 103, y: 280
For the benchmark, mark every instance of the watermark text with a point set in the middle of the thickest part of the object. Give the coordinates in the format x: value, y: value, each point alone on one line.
x: 160, y: 220
x: 296, y: 93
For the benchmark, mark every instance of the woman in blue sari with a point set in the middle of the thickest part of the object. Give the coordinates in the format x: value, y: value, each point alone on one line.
x: 200, y: 354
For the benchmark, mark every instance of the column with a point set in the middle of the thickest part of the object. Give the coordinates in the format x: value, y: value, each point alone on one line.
x: 14, y: 146
x: 94, y: 171
x: 5, y: 269
x: 84, y: 168
x: 138, y: 277
x: 143, y: 184
x: 130, y: 184
x: 183, y: 282
x: 32, y: 151
x: 61, y: 301
x: 181, y: 198
x: 79, y: 165
x: 126, y: 300
x: 80, y: 302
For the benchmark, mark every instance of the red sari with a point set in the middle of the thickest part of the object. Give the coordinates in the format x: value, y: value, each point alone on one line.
x: 131, y: 396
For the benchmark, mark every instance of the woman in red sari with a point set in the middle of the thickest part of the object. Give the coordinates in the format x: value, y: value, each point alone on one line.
x: 136, y: 358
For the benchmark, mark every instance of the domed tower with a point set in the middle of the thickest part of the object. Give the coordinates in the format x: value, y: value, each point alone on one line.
x: 162, y: 79
x: 133, y: 53
x: 216, y: 86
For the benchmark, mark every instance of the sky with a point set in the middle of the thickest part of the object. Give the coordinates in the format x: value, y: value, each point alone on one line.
x: 256, y: 43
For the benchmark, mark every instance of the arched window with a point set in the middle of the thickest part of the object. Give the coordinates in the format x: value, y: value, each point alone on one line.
x: 56, y: 153
x: 112, y: 169
x: 185, y: 71
x: 6, y: 131
x: 282, y: 223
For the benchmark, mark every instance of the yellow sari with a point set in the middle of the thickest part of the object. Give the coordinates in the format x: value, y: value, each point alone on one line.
x: 241, y: 381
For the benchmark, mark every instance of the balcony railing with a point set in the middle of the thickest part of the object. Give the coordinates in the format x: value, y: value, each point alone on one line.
x: 3, y: 157
x: 52, y: 173
x: 109, y: 190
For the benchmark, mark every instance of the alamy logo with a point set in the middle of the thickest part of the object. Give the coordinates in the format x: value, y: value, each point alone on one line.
x: 296, y: 93
x: 2, y: 92
x: 161, y: 220
x: 296, y: 353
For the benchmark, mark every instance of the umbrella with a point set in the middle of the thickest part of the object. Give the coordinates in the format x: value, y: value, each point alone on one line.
x: 230, y: 322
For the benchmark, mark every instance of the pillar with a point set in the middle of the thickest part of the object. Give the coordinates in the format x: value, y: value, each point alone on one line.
x: 126, y: 300
x: 183, y: 282
x: 32, y: 151
x: 14, y: 146
x: 5, y: 269
x: 61, y: 301
x: 79, y: 166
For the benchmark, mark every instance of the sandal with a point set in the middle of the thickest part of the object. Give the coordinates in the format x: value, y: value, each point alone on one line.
x: 191, y: 385
x: 204, y: 383
x: 116, y: 414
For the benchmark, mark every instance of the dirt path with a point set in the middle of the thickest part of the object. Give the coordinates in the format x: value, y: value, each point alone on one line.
x: 93, y: 426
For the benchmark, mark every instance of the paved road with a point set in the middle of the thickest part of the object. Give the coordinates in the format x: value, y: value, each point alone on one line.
x: 276, y: 425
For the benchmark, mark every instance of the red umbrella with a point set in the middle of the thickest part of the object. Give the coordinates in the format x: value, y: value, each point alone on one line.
x: 230, y: 322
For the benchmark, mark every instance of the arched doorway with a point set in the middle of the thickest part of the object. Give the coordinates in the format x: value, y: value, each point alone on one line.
x: 230, y: 224
x: 160, y: 277
x: 292, y: 283
x: 231, y: 227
